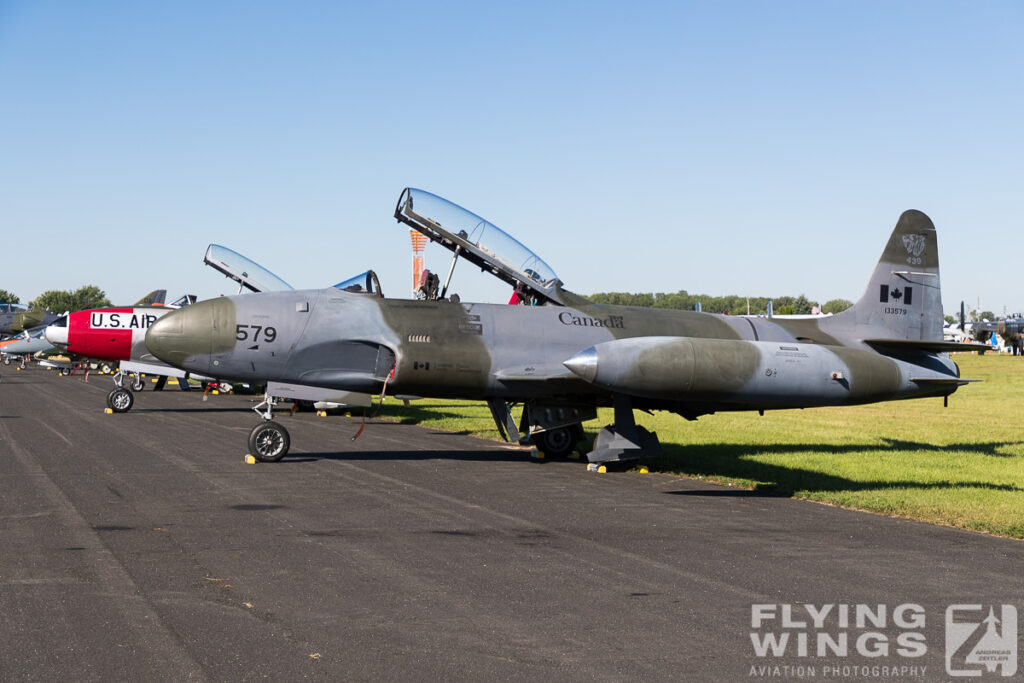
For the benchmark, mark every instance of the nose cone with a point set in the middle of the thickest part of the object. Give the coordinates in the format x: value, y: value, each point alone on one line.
x: 188, y: 337
x: 57, y: 332
x: 584, y: 363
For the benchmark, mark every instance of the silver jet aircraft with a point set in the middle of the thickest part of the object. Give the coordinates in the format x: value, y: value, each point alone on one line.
x: 561, y: 356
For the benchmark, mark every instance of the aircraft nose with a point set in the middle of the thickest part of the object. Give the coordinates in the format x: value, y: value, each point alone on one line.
x: 188, y: 337
x: 57, y: 331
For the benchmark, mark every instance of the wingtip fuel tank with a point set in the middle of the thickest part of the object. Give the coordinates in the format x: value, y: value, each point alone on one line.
x: 751, y: 373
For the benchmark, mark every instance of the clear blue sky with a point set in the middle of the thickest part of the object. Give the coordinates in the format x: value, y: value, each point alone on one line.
x: 752, y: 148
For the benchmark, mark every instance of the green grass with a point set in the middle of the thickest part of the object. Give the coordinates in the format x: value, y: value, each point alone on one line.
x: 961, y: 466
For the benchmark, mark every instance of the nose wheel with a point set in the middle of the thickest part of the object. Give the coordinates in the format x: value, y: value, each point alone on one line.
x: 120, y: 400
x: 269, y: 441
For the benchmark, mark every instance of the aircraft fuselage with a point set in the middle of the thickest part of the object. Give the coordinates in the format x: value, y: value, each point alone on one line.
x: 666, y: 358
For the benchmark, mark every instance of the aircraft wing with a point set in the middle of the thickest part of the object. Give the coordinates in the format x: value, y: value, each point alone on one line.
x: 158, y: 368
x: 534, y: 373
x: 924, y: 345
x: 939, y: 381
x: 318, y: 394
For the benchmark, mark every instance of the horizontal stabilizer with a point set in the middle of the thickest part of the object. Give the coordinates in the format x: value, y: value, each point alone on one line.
x: 925, y: 345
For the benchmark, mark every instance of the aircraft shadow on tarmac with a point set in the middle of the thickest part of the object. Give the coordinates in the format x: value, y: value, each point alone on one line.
x: 405, y: 416
x: 496, y: 455
x: 412, y: 414
x: 728, y: 460
x: 201, y: 408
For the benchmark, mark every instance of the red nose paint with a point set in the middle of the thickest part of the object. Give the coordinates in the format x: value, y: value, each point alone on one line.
x: 103, y: 333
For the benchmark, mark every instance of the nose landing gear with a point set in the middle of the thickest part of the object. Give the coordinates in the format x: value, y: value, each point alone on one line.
x: 120, y: 400
x: 268, y: 441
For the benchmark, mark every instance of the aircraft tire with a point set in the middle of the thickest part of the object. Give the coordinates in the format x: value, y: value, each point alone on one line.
x: 269, y: 441
x: 557, y: 443
x: 120, y: 400
x: 138, y: 384
x: 105, y: 369
x: 7, y: 361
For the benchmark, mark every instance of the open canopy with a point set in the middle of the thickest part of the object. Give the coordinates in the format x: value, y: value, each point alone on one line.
x: 478, y: 241
x: 244, y: 271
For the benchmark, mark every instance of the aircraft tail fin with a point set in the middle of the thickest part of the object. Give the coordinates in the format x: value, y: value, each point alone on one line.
x: 155, y: 298
x: 903, y: 299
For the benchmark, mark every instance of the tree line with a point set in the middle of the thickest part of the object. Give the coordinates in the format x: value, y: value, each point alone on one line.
x: 733, y: 304
x: 58, y: 301
x: 90, y: 296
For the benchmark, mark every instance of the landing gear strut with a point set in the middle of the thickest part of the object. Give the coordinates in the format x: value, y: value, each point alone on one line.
x: 624, y: 440
x: 553, y: 429
x: 268, y: 441
x: 136, y: 384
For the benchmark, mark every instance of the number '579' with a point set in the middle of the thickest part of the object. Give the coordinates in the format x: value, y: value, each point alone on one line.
x: 246, y: 332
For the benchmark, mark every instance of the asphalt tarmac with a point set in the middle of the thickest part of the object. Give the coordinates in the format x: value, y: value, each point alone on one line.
x: 142, y: 547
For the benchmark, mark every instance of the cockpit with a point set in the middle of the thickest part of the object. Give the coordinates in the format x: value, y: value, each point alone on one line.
x: 480, y: 242
x: 6, y: 307
x: 254, y: 277
x: 246, y: 272
x: 465, y: 234
x: 364, y: 283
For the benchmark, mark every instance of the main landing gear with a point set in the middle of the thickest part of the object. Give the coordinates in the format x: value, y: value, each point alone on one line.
x: 553, y: 429
x: 558, y: 442
x: 624, y: 440
x: 556, y: 429
x: 268, y: 441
